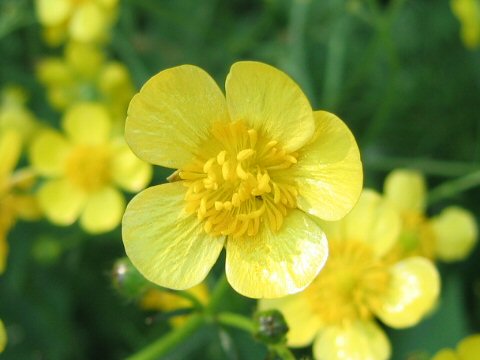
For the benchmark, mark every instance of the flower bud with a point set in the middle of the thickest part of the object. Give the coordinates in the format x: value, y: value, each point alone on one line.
x: 270, y: 327
x: 127, y: 280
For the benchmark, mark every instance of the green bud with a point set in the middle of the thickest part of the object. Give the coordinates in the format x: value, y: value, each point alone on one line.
x: 127, y: 280
x: 270, y: 327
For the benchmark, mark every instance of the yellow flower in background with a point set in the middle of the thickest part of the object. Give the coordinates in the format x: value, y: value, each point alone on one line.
x: 252, y: 168
x: 14, y: 114
x: 450, y: 236
x: 467, y: 349
x: 336, y: 312
x: 15, y: 202
x: 83, y: 21
x: 158, y: 300
x: 468, y: 12
x: 83, y: 74
x: 84, y: 169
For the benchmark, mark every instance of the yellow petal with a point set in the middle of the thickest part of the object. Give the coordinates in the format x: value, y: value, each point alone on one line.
x: 373, y: 221
x: 413, y: 290
x: 275, y: 264
x: 169, y: 247
x: 53, y: 12
x: 455, y: 233
x: 10, y: 148
x: 173, y: 114
x: 406, y: 190
x: 270, y: 102
x: 446, y: 354
x: 3, y: 253
x: 48, y: 153
x: 361, y: 340
x: 87, y: 123
x: 3, y: 336
x: 303, y: 324
x: 103, y: 211
x: 128, y: 171
x: 61, y: 201
x: 329, y: 171
x: 88, y: 23
x: 469, y: 348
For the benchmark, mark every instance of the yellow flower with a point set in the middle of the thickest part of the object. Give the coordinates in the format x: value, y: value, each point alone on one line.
x: 468, y: 12
x: 84, y: 167
x: 158, y: 300
x: 252, y: 168
x: 14, y: 201
x: 83, y: 74
x: 467, y: 349
x: 336, y: 312
x: 84, y: 21
x: 14, y: 114
x: 449, y: 236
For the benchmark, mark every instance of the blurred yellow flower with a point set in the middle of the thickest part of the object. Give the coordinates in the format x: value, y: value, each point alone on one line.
x: 83, y: 21
x: 83, y: 168
x: 14, y: 200
x: 158, y: 300
x: 467, y: 349
x: 449, y: 236
x: 14, y: 114
x: 468, y: 12
x: 83, y: 74
x: 336, y: 312
x: 252, y: 169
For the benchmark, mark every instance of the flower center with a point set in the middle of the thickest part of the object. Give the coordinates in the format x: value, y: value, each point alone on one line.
x: 352, y: 281
x: 243, y: 186
x: 89, y: 167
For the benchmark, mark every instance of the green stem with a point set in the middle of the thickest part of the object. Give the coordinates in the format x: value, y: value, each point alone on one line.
x: 283, y: 352
x: 427, y: 166
x: 237, y: 321
x: 165, y: 344
x: 222, y: 286
x: 454, y: 187
x: 186, y: 295
x: 297, y: 59
x: 335, y: 64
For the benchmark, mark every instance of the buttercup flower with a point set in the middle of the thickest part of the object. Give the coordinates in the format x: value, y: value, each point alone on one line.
x: 336, y: 312
x: 252, y: 169
x: 84, y: 167
x: 84, y: 21
x: 468, y: 12
x: 467, y: 349
x: 450, y: 236
x: 15, y: 202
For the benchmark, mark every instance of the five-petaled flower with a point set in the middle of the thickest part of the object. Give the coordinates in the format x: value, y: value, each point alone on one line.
x: 336, y: 312
x: 254, y: 166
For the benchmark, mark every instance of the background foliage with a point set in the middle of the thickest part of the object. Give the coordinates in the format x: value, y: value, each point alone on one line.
x: 395, y: 71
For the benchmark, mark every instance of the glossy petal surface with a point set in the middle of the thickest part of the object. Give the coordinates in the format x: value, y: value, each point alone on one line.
x: 329, y: 171
x: 103, y: 211
x: 270, y: 102
x: 455, y: 233
x: 413, y: 290
x: 270, y: 265
x: 169, y: 247
x: 173, y: 114
x: 61, y: 201
x: 356, y: 341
